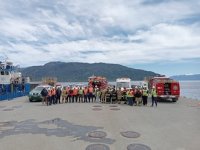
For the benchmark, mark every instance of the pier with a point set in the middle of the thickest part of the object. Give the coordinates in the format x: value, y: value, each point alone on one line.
x: 86, y: 126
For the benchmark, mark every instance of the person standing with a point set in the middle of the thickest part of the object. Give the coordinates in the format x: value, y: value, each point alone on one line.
x: 130, y: 97
x: 75, y: 94
x: 44, y: 94
x: 119, y: 95
x: 58, y: 94
x: 114, y: 95
x: 67, y: 94
x: 80, y: 95
x: 90, y: 93
x: 144, y: 95
x: 85, y: 92
x: 53, y: 95
x: 102, y: 95
x: 70, y: 95
x: 138, y: 97
x: 154, y: 96
x: 95, y: 93
x: 64, y: 95
x: 49, y: 97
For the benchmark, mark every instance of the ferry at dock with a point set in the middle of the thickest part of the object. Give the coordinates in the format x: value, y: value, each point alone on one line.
x: 12, y: 83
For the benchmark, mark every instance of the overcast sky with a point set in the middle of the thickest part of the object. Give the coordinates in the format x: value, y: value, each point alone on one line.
x: 157, y: 35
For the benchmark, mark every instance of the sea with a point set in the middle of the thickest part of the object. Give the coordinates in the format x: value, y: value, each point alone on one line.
x: 189, y: 89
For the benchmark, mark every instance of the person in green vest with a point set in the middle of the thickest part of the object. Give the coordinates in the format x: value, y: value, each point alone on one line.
x: 144, y: 95
x: 154, y: 96
x: 80, y: 95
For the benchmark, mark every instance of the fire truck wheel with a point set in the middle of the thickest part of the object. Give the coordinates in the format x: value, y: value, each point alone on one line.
x: 174, y: 100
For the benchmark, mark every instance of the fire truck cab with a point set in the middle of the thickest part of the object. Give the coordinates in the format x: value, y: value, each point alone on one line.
x: 166, y: 88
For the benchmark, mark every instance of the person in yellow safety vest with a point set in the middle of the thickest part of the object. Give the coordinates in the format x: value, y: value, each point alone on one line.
x: 154, y: 96
x: 144, y: 96
x: 129, y: 96
x: 80, y: 95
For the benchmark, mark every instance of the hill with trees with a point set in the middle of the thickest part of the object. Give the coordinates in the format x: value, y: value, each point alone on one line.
x: 79, y: 72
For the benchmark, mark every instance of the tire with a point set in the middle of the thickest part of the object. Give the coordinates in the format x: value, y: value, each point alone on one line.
x: 174, y: 100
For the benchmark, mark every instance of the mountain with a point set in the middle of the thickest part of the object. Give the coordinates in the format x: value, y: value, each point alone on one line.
x: 74, y: 71
x: 186, y: 77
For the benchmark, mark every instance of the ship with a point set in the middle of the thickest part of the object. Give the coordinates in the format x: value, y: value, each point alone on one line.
x: 12, y: 83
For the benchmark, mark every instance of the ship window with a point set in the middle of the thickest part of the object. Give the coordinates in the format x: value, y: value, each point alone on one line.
x: 8, y: 67
x: 7, y: 73
x: 2, y: 72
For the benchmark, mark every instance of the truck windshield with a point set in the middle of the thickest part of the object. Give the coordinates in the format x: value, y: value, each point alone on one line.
x: 123, y: 84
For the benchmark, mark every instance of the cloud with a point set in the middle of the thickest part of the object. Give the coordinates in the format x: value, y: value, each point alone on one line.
x: 33, y: 32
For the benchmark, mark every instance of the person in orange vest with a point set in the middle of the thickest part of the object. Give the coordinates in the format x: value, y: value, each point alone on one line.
x: 53, y: 95
x: 90, y: 93
x: 75, y: 94
x: 70, y: 95
x: 85, y: 92
x: 49, y: 102
x: 67, y: 94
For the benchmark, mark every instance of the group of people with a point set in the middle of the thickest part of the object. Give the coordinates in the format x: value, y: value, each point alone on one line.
x: 139, y: 97
x: 86, y: 94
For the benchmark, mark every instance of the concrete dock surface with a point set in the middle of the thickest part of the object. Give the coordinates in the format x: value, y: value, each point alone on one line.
x: 96, y: 126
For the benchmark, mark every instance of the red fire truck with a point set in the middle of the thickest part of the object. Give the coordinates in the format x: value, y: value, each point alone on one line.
x: 98, y: 81
x: 166, y: 88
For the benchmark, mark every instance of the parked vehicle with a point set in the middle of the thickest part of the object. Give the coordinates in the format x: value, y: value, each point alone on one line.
x: 123, y: 83
x: 144, y: 84
x: 35, y: 94
x: 166, y: 88
x: 98, y: 81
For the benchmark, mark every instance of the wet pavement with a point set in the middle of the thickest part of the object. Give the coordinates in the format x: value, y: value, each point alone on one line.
x: 62, y: 128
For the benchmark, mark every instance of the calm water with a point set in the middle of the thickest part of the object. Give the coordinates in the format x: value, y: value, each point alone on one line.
x: 190, y: 89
